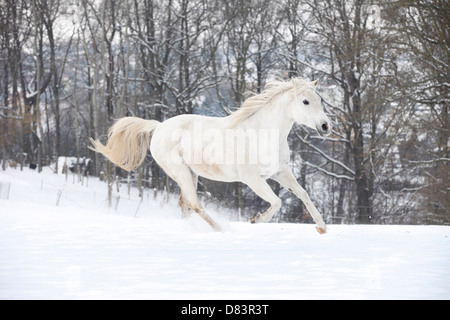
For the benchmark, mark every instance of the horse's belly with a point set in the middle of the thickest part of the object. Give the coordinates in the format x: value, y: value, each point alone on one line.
x: 217, y: 172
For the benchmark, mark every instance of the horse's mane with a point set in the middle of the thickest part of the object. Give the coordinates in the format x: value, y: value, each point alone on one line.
x: 258, y: 101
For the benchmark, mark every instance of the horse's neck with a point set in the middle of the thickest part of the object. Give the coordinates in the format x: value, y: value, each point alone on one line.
x: 268, y: 118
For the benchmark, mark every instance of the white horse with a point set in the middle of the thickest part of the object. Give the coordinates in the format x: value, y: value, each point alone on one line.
x: 250, y: 146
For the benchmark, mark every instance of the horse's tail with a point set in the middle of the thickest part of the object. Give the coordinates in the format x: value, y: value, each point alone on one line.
x: 128, y: 141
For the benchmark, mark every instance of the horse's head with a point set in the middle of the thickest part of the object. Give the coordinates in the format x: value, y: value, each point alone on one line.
x: 307, y: 109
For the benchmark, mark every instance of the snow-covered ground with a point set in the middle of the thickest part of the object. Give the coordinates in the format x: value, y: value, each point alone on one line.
x: 80, y: 249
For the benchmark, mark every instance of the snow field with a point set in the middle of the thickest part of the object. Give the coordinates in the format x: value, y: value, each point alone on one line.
x: 79, y: 249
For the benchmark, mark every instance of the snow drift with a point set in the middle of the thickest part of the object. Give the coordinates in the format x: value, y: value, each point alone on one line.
x: 80, y: 249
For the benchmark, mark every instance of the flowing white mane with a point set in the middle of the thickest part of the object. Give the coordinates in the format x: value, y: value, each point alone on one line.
x: 272, y: 90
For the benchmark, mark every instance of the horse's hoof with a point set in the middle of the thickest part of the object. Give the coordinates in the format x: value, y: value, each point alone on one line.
x: 321, y: 230
x: 256, y: 218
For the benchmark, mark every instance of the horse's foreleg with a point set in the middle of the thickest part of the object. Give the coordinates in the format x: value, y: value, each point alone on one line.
x: 263, y: 190
x: 288, y: 181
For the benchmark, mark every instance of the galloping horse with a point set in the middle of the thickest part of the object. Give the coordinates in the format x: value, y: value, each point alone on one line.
x: 250, y: 146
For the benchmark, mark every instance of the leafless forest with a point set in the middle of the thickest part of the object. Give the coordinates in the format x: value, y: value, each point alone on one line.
x: 68, y: 68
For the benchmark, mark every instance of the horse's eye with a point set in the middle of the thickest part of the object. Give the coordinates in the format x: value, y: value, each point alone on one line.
x: 306, y: 102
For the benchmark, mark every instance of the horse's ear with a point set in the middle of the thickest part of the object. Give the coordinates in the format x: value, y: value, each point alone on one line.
x: 314, y: 83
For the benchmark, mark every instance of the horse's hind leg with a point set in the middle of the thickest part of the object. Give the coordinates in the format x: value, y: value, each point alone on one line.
x: 189, y: 198
x: 184, y: 207
x: 183, y: 203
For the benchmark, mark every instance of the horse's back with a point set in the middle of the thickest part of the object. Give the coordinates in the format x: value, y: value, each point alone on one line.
x: 194, y: 141
x: 182, y: 131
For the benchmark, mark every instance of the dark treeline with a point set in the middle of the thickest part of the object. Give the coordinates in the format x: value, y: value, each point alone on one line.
x: 69, y: 68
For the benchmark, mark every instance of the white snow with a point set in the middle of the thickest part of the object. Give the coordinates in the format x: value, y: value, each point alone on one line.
x: 82, y: 250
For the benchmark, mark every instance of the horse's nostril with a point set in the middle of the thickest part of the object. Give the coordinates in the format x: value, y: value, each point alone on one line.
x: 325, y: 127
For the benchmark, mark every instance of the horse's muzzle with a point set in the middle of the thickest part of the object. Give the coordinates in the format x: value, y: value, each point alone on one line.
x: 324, y: 129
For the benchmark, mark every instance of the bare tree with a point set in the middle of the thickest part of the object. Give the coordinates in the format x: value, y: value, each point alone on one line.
x: 357, y: 56
x: 383, y: 69
x: 424, y: 27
